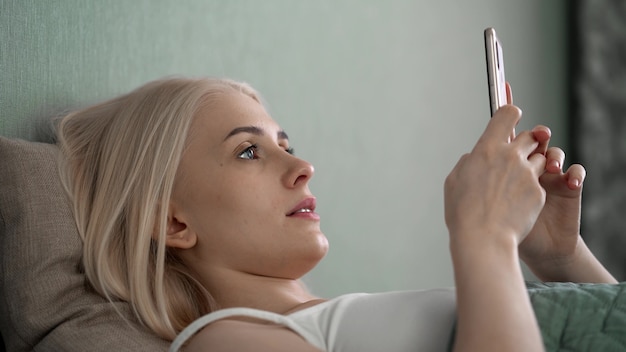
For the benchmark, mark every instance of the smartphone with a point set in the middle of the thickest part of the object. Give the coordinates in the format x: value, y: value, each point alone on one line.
x: 495, y: 70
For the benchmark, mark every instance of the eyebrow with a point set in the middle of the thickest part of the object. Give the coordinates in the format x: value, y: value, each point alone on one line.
x: 256, y: 131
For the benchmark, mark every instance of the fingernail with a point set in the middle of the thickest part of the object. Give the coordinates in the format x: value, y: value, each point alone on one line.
x: 576, y: 182
x: 556, y: 164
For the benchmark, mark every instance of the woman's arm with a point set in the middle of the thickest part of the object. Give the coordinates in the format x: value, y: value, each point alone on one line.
x: 493, y: 307
x: 492, y: 200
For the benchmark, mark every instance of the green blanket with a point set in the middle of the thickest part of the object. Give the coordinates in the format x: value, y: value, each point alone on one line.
x: 581, y: 317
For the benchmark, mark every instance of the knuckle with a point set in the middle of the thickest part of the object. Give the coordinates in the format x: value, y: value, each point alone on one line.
x: 511, y: 111
x: 538, y: 193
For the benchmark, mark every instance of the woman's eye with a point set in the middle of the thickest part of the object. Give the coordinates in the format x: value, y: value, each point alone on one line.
x: 249, y: 153
x: 290, y: 150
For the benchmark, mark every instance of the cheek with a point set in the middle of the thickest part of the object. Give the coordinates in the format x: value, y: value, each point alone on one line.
x: 232, y: 210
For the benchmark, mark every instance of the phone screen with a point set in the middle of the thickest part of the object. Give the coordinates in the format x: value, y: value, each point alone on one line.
x: 495, y: 70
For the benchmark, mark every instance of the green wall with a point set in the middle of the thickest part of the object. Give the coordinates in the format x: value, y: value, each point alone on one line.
x: 382, y: 96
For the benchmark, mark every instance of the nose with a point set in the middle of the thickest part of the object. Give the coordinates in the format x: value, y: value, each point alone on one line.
x: 298, y: 173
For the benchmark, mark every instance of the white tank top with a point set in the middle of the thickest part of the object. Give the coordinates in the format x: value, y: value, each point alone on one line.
x: 360, y: 322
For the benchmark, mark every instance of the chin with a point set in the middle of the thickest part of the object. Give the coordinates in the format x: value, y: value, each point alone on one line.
x: 308, y: 260
x: 323, y: 246
x: 320, y: 253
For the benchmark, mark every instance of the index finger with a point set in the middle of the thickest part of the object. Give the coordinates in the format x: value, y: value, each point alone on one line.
x: 509, y: 100
x: 502, y: 124
x: 509, y: 94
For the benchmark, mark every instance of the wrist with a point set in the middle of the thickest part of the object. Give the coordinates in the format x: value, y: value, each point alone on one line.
x: 479, y: 243
x: 580, y: 265
x: 484, y: 257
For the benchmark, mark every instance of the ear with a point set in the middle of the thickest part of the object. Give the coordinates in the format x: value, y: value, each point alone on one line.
x: 178, y: 234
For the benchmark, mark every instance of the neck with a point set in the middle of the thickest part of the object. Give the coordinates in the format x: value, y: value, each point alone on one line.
x: 278, y: 295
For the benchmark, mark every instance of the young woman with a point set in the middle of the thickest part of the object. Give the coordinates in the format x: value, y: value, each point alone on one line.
x: 192, y: 207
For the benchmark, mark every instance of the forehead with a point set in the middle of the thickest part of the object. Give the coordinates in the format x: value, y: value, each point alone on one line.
x: 228, y: 110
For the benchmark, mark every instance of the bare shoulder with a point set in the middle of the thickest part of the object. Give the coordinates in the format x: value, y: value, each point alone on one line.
x: 233, y: 335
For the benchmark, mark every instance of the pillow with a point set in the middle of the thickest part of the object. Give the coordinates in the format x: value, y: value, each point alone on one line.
x: 45, y: 303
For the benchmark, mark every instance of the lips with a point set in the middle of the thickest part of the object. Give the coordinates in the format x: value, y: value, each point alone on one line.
x: 304, y: 207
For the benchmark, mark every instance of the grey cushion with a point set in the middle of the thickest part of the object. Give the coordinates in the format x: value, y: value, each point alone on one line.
x: 45, y: 304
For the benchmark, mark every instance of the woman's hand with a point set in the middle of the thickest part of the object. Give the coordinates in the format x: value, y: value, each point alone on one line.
x: 554, y: 249
x: 556, y: 233
x: 493, y: 193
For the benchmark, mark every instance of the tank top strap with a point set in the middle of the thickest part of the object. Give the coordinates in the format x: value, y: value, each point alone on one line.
x: 205, y: 320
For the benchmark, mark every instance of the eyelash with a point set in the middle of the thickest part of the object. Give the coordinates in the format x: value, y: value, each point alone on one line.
x: 253, y: 148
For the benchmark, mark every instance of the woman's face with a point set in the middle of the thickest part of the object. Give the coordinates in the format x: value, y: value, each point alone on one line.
x: 244, y: 196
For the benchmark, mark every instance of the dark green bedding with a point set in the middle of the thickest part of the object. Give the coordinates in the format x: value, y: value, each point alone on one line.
x: 581, y: 317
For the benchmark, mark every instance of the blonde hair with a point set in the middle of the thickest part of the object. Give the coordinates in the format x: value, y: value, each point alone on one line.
x: 119, y: 163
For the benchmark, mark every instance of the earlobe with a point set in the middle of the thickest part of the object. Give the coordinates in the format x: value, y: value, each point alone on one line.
x: 179, y: 235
